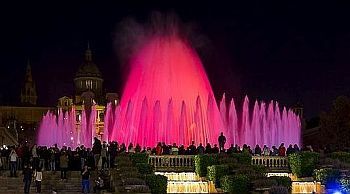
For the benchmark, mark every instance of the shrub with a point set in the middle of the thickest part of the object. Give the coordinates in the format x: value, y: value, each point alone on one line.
x: 139, y: 158
x: 236, y: 184
x: 264, y: 183
x: 215, y: 172
x: 303, y: 164
x: 283, y: 181
x: 278, y: 190
x: 341, y: 156
x: 227, y: 159
x: 252, y: 172
x: 260, y: 169
x: 242, y: 158
x: 157, y: 183
x: 345, y: 185
x: 326, y: 175
x: 144, y: 168
x: 202, y: 162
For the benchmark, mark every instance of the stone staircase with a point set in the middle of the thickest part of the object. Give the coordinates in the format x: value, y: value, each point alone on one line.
x: 50, y: 181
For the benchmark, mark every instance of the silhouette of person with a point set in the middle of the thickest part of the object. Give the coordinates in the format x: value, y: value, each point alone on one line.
x: 222, y: 141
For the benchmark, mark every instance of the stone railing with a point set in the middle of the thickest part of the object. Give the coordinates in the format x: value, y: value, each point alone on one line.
x: 186, y: 162
x: 271, y: 162
x: 172, y: 162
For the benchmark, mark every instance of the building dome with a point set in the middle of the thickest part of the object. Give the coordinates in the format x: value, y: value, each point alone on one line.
x: 88, y: 79
x: 88, y: 68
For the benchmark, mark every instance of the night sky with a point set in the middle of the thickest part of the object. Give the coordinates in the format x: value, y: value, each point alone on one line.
x: 285, y: 51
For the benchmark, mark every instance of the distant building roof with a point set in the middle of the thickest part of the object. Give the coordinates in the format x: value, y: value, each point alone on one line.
x: 88, y: 68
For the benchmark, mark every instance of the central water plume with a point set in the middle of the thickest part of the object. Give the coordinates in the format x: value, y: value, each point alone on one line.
x: 167, y: 96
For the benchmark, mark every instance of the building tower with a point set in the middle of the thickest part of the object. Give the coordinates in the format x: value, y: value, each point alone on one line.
x: 88, y: 81
x: 28, y: 93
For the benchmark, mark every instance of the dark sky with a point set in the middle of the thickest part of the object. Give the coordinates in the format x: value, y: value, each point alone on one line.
x: 286, y: 51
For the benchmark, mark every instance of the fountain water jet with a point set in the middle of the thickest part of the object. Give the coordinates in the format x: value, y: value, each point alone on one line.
x: 168, y: 98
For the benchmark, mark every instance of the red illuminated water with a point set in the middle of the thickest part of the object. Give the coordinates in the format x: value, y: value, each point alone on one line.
x: 168, y: 98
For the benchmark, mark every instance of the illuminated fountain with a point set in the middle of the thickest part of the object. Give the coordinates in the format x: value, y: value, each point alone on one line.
x: 187, y: 182
x: 68, y: 128
x: 168, y: 98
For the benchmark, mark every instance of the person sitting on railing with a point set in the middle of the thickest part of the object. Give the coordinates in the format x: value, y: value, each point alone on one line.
x: 290, y: 150
x: 174, y: 149
x: 192, y: 149
x: 122, y: 148
x: 296, y: 148
x: 208, y: 148
x: 200, y: 149
x: 274, y: 151
x: 149, y: 150
x: 138, y: 148
x: 215, y: 149
x: 165, y: 149
x: 131, y: 148
x: 257, y: 150
x: 230, y: 149
x: 159, y: 149
x: 282, y: 150
x: 237, y: 149
x: 182, y: 150
x: 266, y: 151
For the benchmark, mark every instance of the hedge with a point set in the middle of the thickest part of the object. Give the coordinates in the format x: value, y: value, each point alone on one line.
x: 157, y: 183
x: 264, y: 183
x: 341, y: 156
x: 283, y: 181
x: 252, y: 172
x: 202, y: 162
x: 235, y: 184
x: 215, y: 172
x: 345, y: 185
x: 139, y: 158
x: 144, y: 168
x: 326, y: 175
x: 243, y: 158
x: 278, y: 190
x: 303, y: 164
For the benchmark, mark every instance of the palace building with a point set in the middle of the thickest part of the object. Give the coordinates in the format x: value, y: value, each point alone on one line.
x: 20, y: 123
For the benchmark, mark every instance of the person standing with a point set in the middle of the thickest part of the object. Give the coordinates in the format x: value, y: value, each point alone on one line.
x: 27, y: 178
x: 85, y: 179
x: 104, y: 155
x: 13, y: 163
x: 64, y: 165
x: 222, y: 141
x: 35, y: 157
x: 38, y: 175
x: 96, y: 149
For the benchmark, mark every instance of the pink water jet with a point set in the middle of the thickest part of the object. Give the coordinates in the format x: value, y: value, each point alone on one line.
x: 166, y: 97
x: 66, y: 129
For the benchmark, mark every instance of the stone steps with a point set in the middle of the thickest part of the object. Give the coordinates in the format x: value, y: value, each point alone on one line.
x: 50, y: 180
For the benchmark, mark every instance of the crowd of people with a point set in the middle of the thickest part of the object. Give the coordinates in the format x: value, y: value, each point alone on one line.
x: 33, y: 160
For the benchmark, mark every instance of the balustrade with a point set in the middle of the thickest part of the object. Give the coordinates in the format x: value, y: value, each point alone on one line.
x: 181, y: 162
x: 272, y: 162
x: 186, y: 162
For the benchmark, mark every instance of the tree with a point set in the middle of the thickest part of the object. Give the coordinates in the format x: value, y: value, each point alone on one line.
x: 335, y: 124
